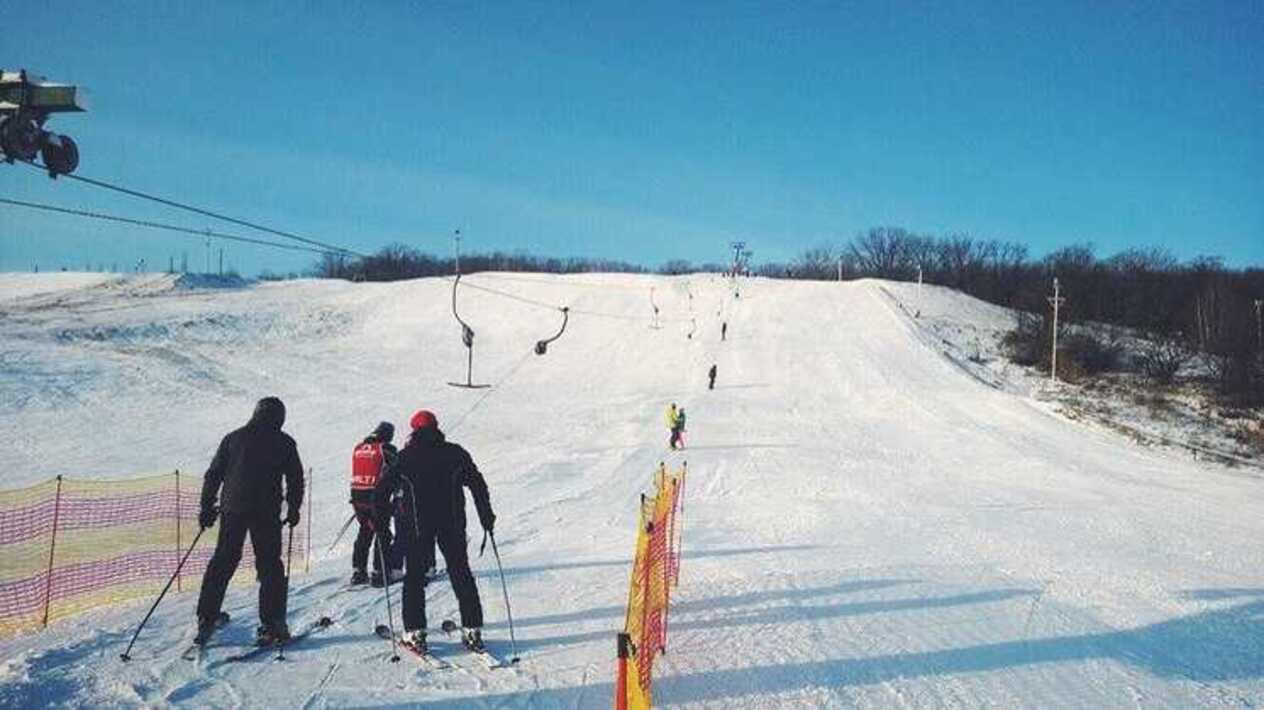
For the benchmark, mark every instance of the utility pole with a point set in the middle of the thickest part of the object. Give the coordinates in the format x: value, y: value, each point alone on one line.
x: 840, y: 268
x: 1259, y: 331
x: 919, y: 291
x: 1056, y: 300
x: 208, y: 250
x: 456, y: 235
x: 221, y: 261
x: 737, y: 248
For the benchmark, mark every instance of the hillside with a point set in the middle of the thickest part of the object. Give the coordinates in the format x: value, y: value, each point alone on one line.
x: 868, y: 524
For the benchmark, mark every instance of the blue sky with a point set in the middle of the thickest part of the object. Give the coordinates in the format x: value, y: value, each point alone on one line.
x: 650, y: 131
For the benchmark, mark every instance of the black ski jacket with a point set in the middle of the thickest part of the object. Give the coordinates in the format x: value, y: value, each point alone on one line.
x: 430, y: 473
x: 250, y: 463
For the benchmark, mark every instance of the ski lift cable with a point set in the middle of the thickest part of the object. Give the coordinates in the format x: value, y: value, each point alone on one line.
x: 495, y: 387
x: 198, y: 210
x: 578, y: 311
x: 200, y: 233
x: 497, y: 276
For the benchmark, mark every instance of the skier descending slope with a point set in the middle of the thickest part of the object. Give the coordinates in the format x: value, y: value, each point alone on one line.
x: 368, y: 460
x: 250, y: 464
x: 431, y: 473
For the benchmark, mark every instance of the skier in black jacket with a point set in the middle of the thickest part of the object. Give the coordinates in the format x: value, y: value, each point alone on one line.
x: 431, y: 473
x: 246, y: 475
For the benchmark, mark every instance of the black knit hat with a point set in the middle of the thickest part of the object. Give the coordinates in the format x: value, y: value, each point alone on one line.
x: 384, y: 432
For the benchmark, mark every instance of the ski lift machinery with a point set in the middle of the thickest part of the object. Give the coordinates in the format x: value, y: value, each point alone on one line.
x: 542, y: 346
x: 26, y: 102
x: 467, y: 337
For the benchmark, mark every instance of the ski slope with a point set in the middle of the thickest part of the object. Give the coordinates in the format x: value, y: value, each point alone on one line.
x: 866, y: 524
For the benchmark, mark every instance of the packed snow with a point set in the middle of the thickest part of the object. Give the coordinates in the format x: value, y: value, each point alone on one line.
x: 868, y: 522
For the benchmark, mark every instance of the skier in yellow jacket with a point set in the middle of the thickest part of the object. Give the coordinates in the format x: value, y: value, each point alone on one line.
x: 675, y: 422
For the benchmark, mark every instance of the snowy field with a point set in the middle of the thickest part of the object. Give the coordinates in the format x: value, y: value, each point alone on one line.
x: 867, y: 524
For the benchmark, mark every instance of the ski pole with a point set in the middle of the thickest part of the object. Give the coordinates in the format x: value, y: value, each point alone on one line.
x: 386, y: 589
x: 289, y: 553
x: 125, y: 655
x: 341, y: 532
x: 513, y: 643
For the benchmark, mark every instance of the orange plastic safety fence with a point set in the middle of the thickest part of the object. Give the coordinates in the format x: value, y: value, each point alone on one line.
x: 70, y: 545
x: 655, y: 571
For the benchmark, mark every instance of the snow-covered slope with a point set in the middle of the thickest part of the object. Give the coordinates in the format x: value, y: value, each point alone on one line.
x: 867, y: 524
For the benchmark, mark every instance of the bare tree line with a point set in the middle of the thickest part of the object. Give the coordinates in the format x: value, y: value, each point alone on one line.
x: 400, y: 261
x: 1198, y: 308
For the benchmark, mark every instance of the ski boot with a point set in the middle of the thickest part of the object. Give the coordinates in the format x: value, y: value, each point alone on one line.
x: 359, y: 577
x: 415, y: 640
x: 378, y: 579
x: 272, y: 635
x: 473, y: 640
x: 207, y: 625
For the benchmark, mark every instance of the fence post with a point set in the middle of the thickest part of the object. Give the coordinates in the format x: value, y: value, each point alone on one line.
x: 178, y: 530
x: 623, y: 643
x: 646, y: 600
x: 307, y: 559
x: 680, y: 534
x: 52, y: 547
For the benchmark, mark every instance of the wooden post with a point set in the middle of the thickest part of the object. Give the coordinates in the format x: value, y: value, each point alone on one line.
x: 646, y: 601
x: 52, y: 547
x: 178, y: 546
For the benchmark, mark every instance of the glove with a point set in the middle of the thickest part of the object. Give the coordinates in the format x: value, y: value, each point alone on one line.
x: 206, y: 517
x: 490, y: 523
x: 291, y: 517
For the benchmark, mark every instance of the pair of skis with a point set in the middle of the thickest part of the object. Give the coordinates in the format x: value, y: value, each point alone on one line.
x: 433, y: 662
x: 197, y: 651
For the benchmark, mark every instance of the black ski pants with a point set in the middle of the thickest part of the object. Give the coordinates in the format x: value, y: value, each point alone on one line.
x: 365, y: 538
x: 265, y: 537
x: 419, y: 555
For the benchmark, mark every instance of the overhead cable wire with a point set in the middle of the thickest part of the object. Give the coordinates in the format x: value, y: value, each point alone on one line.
x: 161, y: 225
x: 198, y: 210
x: 552, y: 307
x: 500, y: 276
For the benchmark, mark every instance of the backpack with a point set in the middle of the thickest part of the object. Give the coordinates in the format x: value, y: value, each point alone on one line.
x: 366, y: 465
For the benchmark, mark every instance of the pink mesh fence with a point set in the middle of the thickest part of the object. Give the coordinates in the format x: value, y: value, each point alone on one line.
x: 69, y: 545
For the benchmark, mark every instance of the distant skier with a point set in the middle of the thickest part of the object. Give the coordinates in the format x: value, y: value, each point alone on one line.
x: 369, y: 459
x: 678, y: 436
x: 724, y: 330
x: 711, y: 378
x: 250, y: 464
x: 431, y: 472
x: 672, y: 421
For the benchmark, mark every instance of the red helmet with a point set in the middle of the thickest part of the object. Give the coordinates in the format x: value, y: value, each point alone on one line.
x: 422, y: 419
